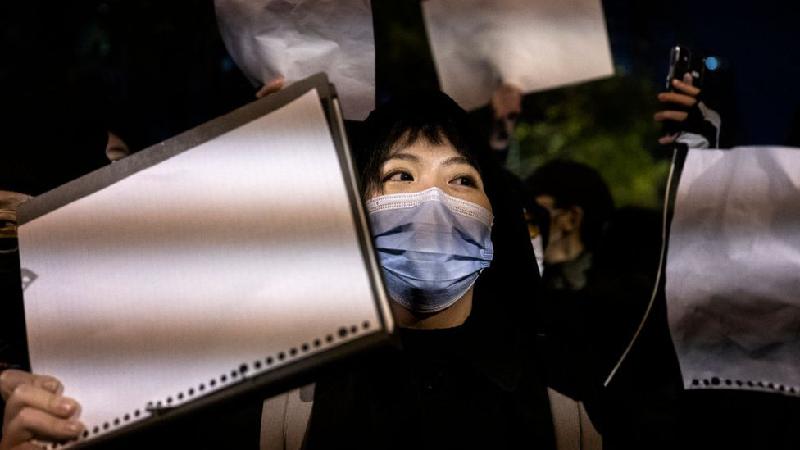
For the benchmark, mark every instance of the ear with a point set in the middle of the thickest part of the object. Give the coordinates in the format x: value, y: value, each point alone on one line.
x: 573, y: 218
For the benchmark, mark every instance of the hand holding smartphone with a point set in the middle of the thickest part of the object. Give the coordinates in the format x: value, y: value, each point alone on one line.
x: 687, y: 70
x: 683, y: 60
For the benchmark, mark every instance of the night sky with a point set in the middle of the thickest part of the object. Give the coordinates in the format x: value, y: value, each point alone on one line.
x: 759, y: 40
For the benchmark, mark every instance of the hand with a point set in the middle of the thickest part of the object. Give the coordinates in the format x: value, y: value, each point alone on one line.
x: 686, y: 98
x: 116, y: 148
x: 507, y: 102
x: 506, y: 108
x: 275, y: 85
x: 36, y: 410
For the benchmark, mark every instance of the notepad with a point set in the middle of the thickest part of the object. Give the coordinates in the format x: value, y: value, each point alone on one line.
x: 203, y: 265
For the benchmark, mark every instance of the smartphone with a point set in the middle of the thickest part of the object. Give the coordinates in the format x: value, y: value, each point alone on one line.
x: 683, y: 60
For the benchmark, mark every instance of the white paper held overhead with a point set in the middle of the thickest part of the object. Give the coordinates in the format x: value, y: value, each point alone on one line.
x: 535, y: 45
x: 297, y: 38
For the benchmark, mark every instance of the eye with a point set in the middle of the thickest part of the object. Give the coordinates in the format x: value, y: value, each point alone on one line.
x: 398, y: 175
x: 465, y: 180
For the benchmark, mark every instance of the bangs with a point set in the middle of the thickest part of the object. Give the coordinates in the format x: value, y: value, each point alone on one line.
x: 432, y: 136
x: 436, y: 120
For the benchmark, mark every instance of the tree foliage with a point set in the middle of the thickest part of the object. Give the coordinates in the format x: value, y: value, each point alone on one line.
x: 606, y: 124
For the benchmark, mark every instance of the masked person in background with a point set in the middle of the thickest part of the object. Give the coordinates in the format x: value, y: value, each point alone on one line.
x: 579, y: 204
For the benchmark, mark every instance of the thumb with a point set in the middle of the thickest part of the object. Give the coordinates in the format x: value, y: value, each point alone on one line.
x: 273, y: 86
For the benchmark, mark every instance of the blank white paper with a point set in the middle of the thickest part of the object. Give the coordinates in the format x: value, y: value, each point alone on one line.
x: 226, y: 254
x: 298, y: 38
x: 535, y: 45
x: 733, y: 270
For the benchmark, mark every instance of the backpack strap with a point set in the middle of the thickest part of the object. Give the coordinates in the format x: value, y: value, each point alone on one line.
x: 284, y: 419
x: 571, y: 424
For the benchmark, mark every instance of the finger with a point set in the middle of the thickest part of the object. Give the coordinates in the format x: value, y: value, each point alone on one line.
x: 678, y: 116
x: 674, y: 97
x: 507, y: 100
x: 686, y: 88
x: 32, y: 423
x: 10, y: 379
x: 31, y: 396
x: 116, y: 148
x: 275, y: 85
x: 48, y: 383
x: 666, y: 139
x: 262, y: 92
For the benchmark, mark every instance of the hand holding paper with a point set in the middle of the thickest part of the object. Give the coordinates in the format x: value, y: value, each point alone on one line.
x: 211, y: 266
x: 35, y: 409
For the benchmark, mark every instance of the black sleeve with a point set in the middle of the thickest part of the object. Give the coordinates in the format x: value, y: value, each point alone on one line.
x: 13, y: 342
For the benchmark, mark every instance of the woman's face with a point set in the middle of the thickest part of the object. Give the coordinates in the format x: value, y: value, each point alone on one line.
x: 423, y: 165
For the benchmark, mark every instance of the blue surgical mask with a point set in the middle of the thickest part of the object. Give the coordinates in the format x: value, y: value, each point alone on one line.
x: 432, y: 246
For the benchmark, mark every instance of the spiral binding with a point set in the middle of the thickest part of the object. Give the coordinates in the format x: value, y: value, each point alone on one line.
x: 755, y: 385
x: 236, y: 374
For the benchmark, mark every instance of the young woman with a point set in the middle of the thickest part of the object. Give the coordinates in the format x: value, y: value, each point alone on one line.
x: 459, y: 268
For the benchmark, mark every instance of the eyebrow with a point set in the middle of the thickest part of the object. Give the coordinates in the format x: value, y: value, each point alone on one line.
x: 452, y: 161
x: 456, y: 160
x: 404, y: 156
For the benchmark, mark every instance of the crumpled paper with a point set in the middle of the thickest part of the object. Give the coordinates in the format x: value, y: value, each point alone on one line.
x: 479, y: 44
x: 297, y: 38
x: 733, y: 270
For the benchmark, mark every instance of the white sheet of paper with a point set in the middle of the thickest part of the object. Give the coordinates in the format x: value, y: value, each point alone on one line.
x: 535, y: 45
x: 298, y: 38
x: 733, y: 270
x: 226, y: 254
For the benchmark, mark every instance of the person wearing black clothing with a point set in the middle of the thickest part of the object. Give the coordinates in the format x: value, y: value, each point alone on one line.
x: 580, y: 205
x: 472, y: 380
x: 442, y: 390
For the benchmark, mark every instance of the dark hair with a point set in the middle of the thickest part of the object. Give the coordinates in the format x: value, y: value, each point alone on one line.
x: 571, y: 183
x: 429, y: 116
x: 505, y: 291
